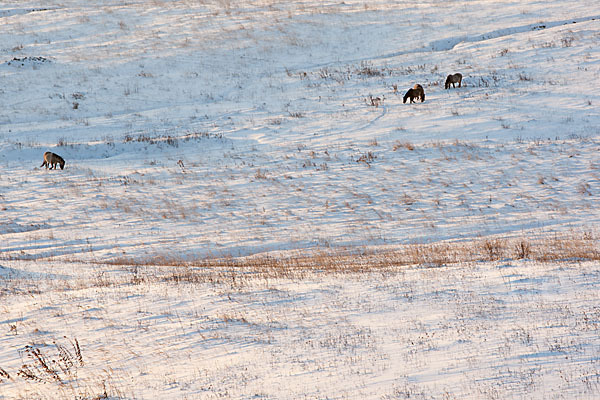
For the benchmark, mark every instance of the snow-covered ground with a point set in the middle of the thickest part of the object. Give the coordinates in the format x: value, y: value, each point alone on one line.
x: 264, y: 104
x: 196, y: 129
x: 480, y: 331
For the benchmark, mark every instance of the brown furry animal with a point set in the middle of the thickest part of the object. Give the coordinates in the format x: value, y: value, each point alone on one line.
x: 417, y: 92
x: 452, y: 79
x: 421, y: 91
x: 411, y: 94
x: 51, y: 159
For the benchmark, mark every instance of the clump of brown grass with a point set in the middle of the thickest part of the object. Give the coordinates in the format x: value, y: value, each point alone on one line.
x: 522, y: 249
x: 366, y: 158
x: 260, y: 174
x: 58, y: 367
x: 368, y: 69
x: 4, y: 375
x: 494, y: 249
x: 46, y: 368
x: 403, y: 145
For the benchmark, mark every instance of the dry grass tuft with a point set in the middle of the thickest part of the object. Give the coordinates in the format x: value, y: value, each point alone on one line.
x: 61, y: 367
x: 403, y: 145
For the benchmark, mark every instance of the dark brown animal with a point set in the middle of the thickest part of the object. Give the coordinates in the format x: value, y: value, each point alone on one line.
x: 417, y: 92
x: 453, y: 79
x: 51, y: 159
x: 421, y: 91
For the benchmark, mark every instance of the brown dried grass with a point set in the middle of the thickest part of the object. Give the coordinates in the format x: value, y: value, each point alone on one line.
x: 583, y: 246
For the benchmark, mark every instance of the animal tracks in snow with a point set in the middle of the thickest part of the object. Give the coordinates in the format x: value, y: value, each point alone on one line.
x: 450, y: 43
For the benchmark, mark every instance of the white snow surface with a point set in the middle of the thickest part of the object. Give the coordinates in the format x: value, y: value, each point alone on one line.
x: 264, y: 104
x: 480, y: 331
x: 216, y: 128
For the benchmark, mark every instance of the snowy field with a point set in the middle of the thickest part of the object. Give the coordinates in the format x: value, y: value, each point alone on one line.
x: 478, y: 331
x: 197, y: 130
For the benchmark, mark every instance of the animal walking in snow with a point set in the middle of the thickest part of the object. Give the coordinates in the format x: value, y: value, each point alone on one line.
x: 417, y: 92
x: 51, y: 159
x: 453, y: 79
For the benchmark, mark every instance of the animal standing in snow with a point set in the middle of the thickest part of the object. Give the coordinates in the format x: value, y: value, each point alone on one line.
x: 51, y: 159
x: 453, y: 79
x: 420, y: 91
x: 417, y: 92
